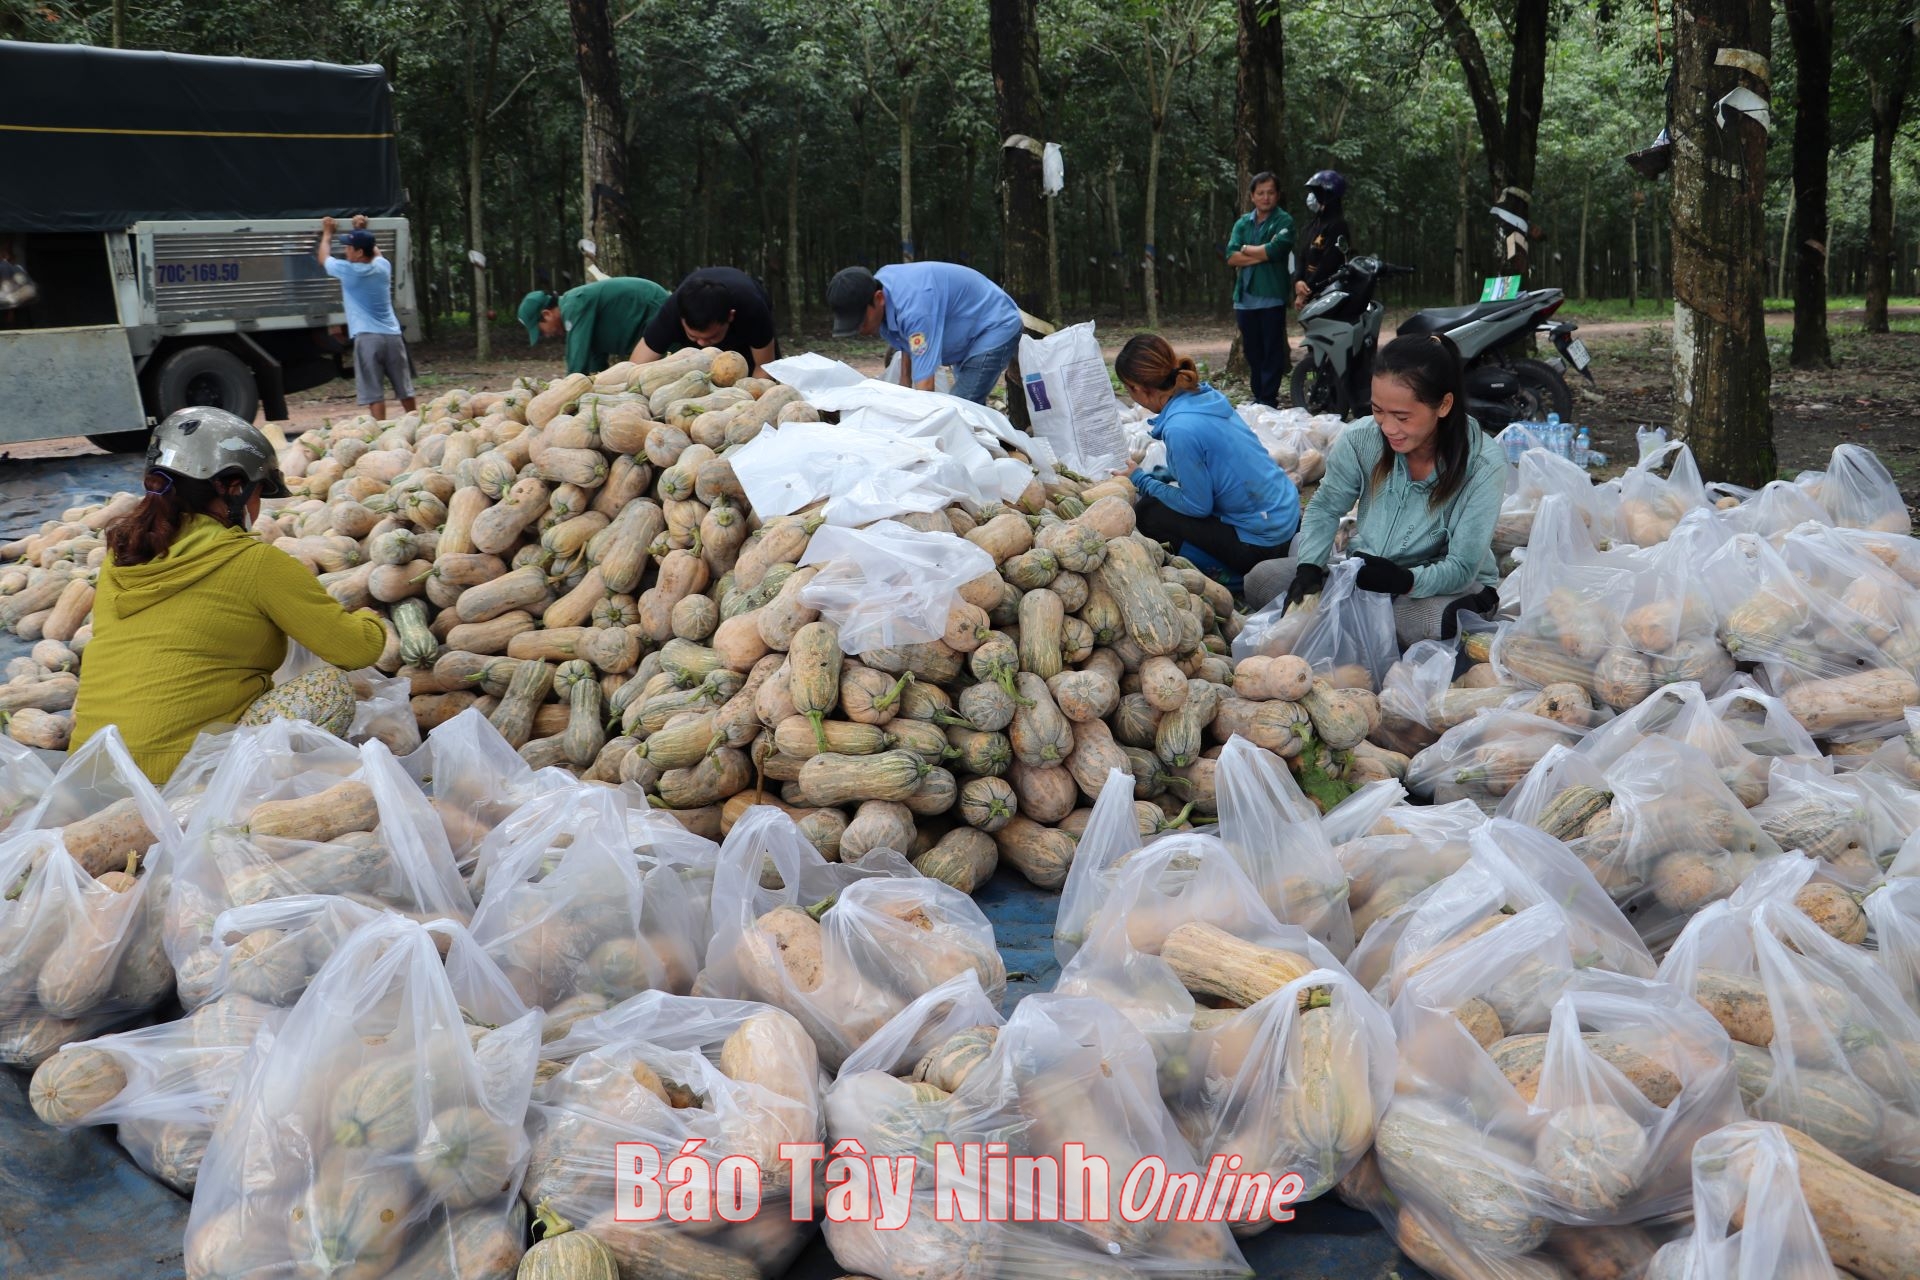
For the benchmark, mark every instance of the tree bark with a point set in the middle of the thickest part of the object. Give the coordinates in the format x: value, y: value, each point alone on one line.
x: 1149, y: 276
x: 1512, y: 142
x: 1117, y: 245
x: 1580, y: 266
x: 119, y: 21
x: 796, y: 286
x: 1526, y: 87
x: 1633, y: 251
x: 1810, y: 26
x: 1721, y: 372
x: 1013, y: 29
x: 1887, y: 100
x: 1461, y: 244
x: 906, y: 176
x: 1260, y: 95
x: 1786, y: 247
x: 603, y: 178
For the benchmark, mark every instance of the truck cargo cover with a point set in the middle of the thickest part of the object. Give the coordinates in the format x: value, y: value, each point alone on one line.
x: 98, y: 139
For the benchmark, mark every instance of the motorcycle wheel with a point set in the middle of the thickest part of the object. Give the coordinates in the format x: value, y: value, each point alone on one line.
x: 1317, y: 390
x: 1542, y: 391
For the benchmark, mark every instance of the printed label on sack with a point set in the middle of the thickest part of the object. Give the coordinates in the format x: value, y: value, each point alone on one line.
x: 971, y: 1182
x: 1037, y: 399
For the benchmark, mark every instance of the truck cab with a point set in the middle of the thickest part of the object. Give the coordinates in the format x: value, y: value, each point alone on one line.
x: 170, y: 225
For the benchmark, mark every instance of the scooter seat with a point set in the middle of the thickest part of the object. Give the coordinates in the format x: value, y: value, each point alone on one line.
x: 1440, y: 319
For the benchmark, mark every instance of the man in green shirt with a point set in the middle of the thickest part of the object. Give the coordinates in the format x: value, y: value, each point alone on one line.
x: 603, y: 321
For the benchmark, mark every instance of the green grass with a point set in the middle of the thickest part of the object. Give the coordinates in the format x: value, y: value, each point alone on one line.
x: 1610, y: 310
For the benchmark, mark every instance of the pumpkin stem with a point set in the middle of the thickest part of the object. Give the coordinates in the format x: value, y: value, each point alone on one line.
x: 892, y: 696
x: 1316, y: 998
x: 133, y: 863
x: 547, y: 1223
x: 1179, y: 819
x: 819, y: 719
x: 820, y: 908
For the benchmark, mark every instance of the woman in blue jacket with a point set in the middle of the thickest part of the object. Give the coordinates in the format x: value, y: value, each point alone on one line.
x: 1221, y: 494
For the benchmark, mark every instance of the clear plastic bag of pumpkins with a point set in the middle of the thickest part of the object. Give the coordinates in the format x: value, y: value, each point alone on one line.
x: 165, y: 1086
x: 842, y: 948
x: 1893, y: 915
x: 476, y: 780
x: 1824, y: 1040
x: 82, y: 886
x: 270, y: 951
x: 23, y: 779
x: 1062, y: 1070
x: 1265, y: 1048
x: 383, y: 1133
x: 1511, y: 869
x: 736, y: 1078
x: 1751, y: 1220
x: 1671, y: 838
x: 1835, y: 632
x: 294, y: 810
x: 569, y: 911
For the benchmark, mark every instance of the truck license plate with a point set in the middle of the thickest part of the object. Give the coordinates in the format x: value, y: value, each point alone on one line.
x: 1577, y: 352
x: 196, y: 272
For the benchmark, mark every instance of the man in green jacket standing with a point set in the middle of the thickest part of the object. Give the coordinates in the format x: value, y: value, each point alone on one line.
x: 1261, y: 252
x: 603, y: 321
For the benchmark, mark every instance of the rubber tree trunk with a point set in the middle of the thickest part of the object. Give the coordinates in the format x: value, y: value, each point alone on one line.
x: 1887, y: 100
x: 1810, y: 26
x: 603, y: 178
x: 1633, y: 251
x: 1260, y: 95
x: 1013, y: 28
x: 1117, y: 247
x: 1721, y: 373
x: 796, y: 279
x: 1580, y: 266
x: 906, y: 176
x: 1786, y: 247
x: 476, y: 243
x: 1462, y: 247
x: 1526, y: 86
x: 1149, y: 277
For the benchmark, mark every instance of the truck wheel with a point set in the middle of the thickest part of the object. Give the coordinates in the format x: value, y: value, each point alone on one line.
x: 205, y: 376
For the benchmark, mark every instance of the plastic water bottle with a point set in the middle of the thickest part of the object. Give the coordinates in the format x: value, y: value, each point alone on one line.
x: 1582, y: 448
x: 1555, y: 436
x: 1514, y: 438
x: 1595, y: 458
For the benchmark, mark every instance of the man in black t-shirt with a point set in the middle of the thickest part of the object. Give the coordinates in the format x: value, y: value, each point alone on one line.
x: 714, y: 307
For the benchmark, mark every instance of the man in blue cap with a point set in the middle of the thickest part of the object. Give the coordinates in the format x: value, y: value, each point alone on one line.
x: 366, y: 286
x: 933, y: 313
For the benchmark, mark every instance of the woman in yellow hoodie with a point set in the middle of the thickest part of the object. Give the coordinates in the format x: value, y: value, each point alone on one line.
x: 193, y: 612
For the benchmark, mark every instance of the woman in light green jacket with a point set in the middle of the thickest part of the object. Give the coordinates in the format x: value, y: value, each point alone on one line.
x: 1428, y: 482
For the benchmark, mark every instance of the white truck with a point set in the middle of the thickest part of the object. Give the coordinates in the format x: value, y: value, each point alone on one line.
x: 169, y: 226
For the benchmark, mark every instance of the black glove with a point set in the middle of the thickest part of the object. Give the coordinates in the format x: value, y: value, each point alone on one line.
x: 1307, y: 580
x: 1377, y: 573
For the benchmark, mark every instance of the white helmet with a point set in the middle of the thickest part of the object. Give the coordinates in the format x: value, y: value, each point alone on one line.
x: 201, y: 443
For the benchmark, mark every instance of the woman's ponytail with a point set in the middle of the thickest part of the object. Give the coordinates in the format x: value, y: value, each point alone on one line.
x: 147, y: 532
x: 1148, y: 360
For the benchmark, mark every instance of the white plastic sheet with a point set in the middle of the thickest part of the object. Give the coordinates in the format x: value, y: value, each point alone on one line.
x: 888, y: 585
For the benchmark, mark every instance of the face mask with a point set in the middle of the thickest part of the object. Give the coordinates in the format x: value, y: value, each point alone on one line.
x: 1313, y: 203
